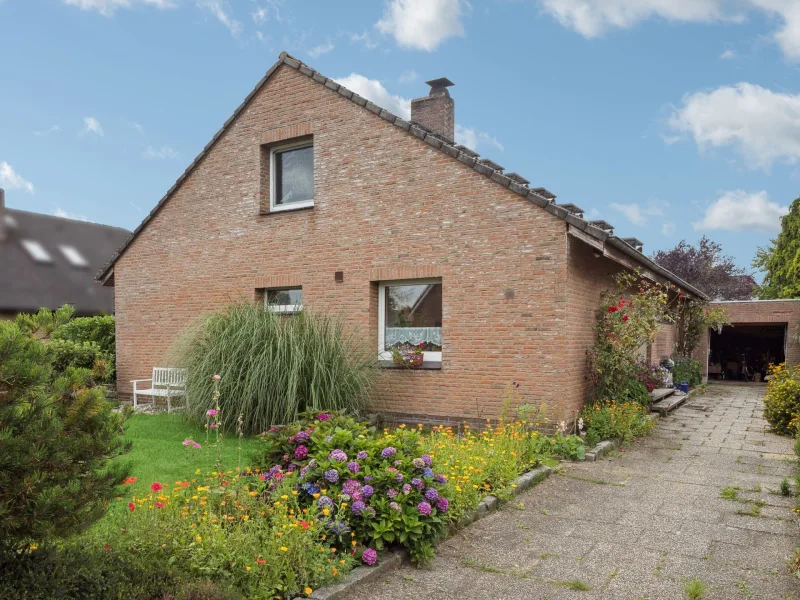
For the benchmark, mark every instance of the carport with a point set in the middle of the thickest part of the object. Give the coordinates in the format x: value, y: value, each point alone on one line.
x: 760, y: 333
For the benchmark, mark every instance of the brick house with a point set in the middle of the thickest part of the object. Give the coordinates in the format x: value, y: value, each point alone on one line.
x: 310, y: 194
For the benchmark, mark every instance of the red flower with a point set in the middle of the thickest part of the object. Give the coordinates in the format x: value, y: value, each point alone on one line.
x: 613, y: 308
x: 625, y: 319
x: 261, y: 561
x: 131, y: 506
x: 156, y: 487
x: 160, y: 505
x: 304, y: 524
x: 129, y: 481
x: 185, y: 484
x: 681, y: 296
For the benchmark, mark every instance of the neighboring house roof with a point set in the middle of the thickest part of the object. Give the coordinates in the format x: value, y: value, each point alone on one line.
x: 514, y: 182
x: 48, y: 261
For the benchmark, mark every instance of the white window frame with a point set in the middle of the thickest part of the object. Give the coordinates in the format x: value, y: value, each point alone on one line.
x: 282, y: 309
x: 273, y: 207
x: 386, y: 354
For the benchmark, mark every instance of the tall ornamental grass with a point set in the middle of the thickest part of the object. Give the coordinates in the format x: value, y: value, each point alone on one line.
x: 274, y: 367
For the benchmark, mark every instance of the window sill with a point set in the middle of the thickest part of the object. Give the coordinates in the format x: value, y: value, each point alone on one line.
x: 428, y: 365
x: 277, y: 211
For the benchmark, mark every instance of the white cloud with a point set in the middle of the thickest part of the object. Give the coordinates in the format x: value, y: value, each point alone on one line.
x: 318, y: 51
x: 592, y: 18
x: 738, y: 210
x: 762, y: 125
x: 108, y: 7
x: 373, y: 90
x: 48, y: 131
x: 365, y: 39
x: 221, y: 11
x: 409, y: 76
x: 163, y: 152
x: 668, y: 229
x: 422, y: 24
x: 60, y: 212
x: 11, y: 180
x: 728, y: 55
x: 637, y: 214
x: 91, y: 125
x: 473, y: 139
x: 266, y: 10
x: 138, y: 128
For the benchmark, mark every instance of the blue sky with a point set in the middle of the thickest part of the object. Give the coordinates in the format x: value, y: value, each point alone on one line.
x: 668, y: 119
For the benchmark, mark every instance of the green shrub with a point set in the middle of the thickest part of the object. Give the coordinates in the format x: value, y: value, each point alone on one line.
x: 782, y: 402
x: 55, y: 439
x: 273, y: 367
x: 99, y: 330
x: 686, y: 369
x: 609, y: 420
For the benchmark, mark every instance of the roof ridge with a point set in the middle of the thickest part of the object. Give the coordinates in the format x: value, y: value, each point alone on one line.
x: 539, y: 196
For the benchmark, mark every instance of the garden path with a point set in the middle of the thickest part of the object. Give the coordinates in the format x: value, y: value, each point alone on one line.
x: 638, y: 524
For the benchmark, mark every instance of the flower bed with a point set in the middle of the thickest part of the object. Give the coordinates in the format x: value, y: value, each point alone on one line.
x: 611, y: 420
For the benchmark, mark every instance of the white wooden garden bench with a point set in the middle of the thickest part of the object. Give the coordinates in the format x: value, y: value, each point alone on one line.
x: 166, y: 383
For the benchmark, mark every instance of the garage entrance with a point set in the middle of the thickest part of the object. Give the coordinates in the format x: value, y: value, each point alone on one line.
x: 744, y: 352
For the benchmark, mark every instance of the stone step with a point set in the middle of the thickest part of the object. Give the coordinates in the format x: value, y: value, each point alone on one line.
x: 668, y: 403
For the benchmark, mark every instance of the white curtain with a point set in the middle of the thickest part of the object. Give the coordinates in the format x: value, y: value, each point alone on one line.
x: 413, y: 335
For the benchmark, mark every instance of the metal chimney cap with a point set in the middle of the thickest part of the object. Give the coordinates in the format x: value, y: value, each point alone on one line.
x: 439, y: 86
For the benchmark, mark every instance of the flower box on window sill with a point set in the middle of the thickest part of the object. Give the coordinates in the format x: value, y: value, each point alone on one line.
x: 427, y: 365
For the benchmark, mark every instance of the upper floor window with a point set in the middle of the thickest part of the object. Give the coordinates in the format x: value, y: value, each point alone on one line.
x: 291, y: 176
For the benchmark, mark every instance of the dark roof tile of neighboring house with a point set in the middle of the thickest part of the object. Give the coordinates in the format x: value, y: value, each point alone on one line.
x: 69, y: 252
x: 539, y: 196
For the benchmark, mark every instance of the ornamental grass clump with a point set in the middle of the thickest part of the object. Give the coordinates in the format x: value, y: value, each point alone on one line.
x: 273, y: 367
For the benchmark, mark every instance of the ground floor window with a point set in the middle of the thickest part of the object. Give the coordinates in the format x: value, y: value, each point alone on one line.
x: 285, y: 301
x: 410, y: 316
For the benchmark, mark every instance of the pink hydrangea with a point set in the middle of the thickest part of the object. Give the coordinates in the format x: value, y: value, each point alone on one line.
x: 370, y: 556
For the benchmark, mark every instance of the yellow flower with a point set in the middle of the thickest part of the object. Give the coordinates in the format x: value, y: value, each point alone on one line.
x: 284, y: 549
x: 198, y: 539
x: 308, y: 591
x: 284, y: 497
x: 245, y: 517
x: 247, y: 568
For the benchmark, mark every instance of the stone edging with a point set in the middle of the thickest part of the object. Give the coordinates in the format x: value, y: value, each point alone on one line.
x: 391, y: 560
x: 602, y: 448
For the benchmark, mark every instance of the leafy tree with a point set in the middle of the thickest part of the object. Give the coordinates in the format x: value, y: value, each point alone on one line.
x: 708, y: 269
x: 56, y: 436
x: 781, y: 259
x: 693, y: 318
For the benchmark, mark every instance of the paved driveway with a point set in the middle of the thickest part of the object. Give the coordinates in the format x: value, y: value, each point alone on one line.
x: 638, y: 524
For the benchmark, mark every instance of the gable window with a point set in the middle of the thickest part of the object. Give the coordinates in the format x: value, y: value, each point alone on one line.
x: 285, y: 301
x: 291, y: 176
x: 410, y: 315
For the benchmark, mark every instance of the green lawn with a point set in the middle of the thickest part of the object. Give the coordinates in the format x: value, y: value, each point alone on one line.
x: 158, y: 454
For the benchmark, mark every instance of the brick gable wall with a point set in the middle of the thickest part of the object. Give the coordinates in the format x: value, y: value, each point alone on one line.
x: 386, y: 205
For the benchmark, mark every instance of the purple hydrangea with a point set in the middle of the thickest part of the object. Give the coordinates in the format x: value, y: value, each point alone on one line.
x: 337, y: 455
x: 392, y: 493
x: 367, y: 491
x: 357, y: 507
x: 394, y: 506
x: 370, y: 556
x: 301, y: 436
x: 388, y: 452
x: 399, y: 477
x: 442, y: 504
x: 353, y: 467
x: 439, y: 478
x: 362, y: 455
x: 424, y: 509
x: 323, y: 417
x: 332, y: 475
x: 417, y: 463
x: 427, y: 473
x: 427, y: 460
x: 431, y: 494
x: 324, y: 501
x: 418, y: 483
x: 406, y: 489
x: 350, y: 487
x: 300, y: 452
x: 368, y: 478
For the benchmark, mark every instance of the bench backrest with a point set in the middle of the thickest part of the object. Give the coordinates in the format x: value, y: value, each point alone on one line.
x: 163, y: 376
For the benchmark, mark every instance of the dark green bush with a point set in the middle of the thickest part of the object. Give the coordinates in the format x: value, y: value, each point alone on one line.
x: 99, y: 330
x: 273, y: 367
x: 56, y: 436
x: 686, y: 369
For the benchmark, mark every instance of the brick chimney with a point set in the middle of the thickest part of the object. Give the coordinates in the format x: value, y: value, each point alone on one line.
x: 436, y: 111
x: 2, y: 215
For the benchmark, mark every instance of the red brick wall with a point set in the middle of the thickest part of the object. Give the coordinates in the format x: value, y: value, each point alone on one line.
x: 387, y: 205
x: 664, y: 344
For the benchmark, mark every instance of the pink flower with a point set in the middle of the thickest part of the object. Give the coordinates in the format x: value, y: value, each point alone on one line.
x: 195, y: 445
x: 216, y: 378
x: 131, y: 506
x: 159, y: 505
x: 369, y: 556
x: 187, y: 442
x: 212, y: 412
x: 156, y: 487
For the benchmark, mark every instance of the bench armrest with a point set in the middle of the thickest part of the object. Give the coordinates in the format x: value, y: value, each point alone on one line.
x: 139, y: 380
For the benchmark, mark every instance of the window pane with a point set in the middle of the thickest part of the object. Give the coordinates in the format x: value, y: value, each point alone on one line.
x: 294, y: 175
x: 285, y: 297
x: 414, y: 316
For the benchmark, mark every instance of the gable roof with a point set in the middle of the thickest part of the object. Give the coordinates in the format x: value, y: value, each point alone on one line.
x: 514, y: 182
x: 26, y: 285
